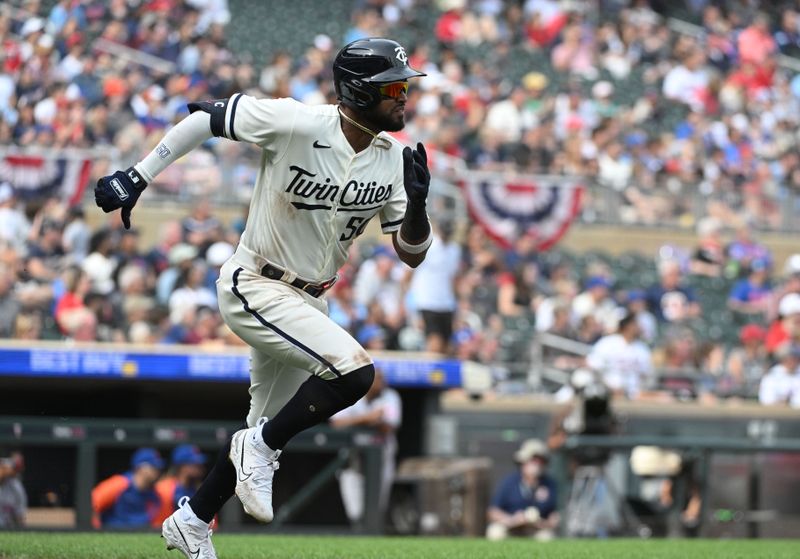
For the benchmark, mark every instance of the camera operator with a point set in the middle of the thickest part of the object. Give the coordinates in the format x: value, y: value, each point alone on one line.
x: 587, y: 412
x: 593, y: 507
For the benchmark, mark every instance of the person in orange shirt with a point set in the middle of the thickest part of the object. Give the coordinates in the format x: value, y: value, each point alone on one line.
x: 129, y: 500
x: 188, y: 470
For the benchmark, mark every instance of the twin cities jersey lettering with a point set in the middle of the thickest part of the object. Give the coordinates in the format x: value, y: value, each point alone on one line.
x: 353, y: 195
x: 313, y: 195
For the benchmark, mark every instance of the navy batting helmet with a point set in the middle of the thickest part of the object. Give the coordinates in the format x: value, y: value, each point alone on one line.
x: 364, y: 63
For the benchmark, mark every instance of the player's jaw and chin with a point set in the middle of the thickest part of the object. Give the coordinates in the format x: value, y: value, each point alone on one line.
x: 388, y: 116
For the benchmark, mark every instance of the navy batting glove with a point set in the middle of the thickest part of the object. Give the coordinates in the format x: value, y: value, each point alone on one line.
x: 416, y: 177
x: 120, y: 190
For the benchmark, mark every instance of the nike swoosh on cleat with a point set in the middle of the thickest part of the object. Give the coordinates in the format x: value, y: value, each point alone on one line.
x: 319, y: 145
x: 196, y: 552
x: 241, y: 462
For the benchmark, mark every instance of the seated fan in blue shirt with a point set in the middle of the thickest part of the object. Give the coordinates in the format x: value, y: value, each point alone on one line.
x: 525, y: 502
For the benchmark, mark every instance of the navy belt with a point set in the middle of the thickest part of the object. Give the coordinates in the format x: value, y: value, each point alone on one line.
x: 273, y: 272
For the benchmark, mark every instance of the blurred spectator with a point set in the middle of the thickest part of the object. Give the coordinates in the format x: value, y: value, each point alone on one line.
x: 72, y: 316
x: 343, y: 309
x: 132, y: 300
x: 688, y: 82
x: 432, y: 288
x: 377, y: 416
x: 190, y: 292
x: 100, y: 265
x: 505, y: 118
x: 127, y: 250
x: 180, y: 258
x: 13, y: 499
x: 379, y: 281
x: 516, y: 293
x: 678, y: 355
x: 636, y: 303
x: 751, y: 295
x: 746, y: 364
x: 525, y: 502
x: 373, y: 332
x: 129, y: 500
x: 781, y: 386
x: 169, y: 235
x: 622, y: 360
x: 787, y: 34
x: 77, y: 235
x: 790, y: 283
x: 564, y: 291
x: 216, y: 255
x: 670, y: 300
x: 786, y: 328
x: 45, y: 250
x: 187, y: 470
x: 201, y: 227
x: 755, y: 42
x: 589, y: 330
x: 596, y: 302
x: 14, y: 225
x: 575, y: 54
x: 709, y: 256
x: 744, y: 250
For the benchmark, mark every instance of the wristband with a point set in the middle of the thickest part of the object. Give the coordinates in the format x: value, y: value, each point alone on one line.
x: 136, y: 179
x: 414, y: 249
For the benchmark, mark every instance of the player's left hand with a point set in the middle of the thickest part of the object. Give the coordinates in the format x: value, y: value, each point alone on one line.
x: 120, y: 190
x: 416, y: 176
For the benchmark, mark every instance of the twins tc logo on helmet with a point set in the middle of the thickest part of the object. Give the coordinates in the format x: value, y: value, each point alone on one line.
x: 401, y: 54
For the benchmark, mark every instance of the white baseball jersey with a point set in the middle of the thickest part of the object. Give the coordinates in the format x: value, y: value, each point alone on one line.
x: 313, y: 195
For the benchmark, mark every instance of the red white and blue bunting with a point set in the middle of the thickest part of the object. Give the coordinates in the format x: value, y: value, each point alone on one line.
x: 507, y: 208
x: 47, y: 173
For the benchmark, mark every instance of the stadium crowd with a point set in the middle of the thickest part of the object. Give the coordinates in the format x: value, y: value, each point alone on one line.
x: 605, y: 89
x: 715, y: 115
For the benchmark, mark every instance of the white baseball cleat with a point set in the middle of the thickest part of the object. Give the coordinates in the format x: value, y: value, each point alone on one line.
x: 255, y: 465
x: 184, y: 531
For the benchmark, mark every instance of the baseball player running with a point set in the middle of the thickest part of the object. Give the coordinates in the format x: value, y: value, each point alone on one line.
x: 325, y: 172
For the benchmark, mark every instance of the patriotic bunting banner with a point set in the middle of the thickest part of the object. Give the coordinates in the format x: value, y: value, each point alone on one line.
x: 540, y: 206
x: 34, y: 176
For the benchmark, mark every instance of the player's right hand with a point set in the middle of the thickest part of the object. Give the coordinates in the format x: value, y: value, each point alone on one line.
x: 120, y: 190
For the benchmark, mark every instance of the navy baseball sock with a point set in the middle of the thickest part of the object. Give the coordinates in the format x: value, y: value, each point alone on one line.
x: 314, y: 402
x: 217, y: 488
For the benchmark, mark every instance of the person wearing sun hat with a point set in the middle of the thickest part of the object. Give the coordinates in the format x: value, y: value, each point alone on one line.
x: 129, y: 500
x: 525, y: 502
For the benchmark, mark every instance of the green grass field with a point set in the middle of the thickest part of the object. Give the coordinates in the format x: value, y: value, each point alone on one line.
x: 38, y: 545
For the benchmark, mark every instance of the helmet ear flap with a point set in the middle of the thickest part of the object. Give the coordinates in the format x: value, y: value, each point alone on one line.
x: 358, y: 95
